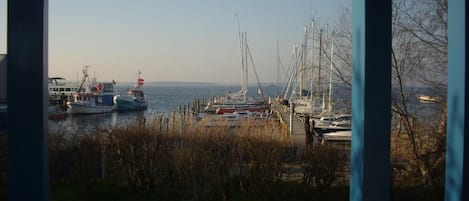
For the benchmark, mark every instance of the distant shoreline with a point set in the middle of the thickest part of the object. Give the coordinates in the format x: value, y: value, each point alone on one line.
x: 183, y: 83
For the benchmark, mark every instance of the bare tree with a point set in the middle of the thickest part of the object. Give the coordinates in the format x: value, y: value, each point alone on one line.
x: 419, y: 59
x: 419, y: 64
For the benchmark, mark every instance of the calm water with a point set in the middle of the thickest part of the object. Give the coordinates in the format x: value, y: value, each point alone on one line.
x: 163, y: 99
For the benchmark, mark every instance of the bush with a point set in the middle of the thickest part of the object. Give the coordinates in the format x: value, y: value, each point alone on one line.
x: 321, y: 166
x: 144, y: 155
x: 262, y: 159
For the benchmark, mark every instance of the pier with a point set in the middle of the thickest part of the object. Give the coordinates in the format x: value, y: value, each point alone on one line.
x: 297, y: 127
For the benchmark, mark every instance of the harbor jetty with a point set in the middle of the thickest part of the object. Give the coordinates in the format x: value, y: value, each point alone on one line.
x: 297, y: 125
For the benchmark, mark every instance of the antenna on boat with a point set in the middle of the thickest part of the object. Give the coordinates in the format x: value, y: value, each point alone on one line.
x: 139, y: 79
x: 85, y: 76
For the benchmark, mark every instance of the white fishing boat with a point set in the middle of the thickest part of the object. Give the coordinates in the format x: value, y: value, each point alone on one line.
x: 92, y: 97
x: 134, y: 99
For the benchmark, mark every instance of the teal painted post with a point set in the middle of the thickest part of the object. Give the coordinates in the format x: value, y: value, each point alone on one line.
x: 28, y: 165
x: 371, y: 100
x: 457, y: 150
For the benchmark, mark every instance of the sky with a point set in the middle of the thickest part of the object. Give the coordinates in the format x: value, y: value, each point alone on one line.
x: 174, y: 40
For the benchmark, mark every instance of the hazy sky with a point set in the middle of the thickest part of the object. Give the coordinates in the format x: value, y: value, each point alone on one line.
x: 174, y: 40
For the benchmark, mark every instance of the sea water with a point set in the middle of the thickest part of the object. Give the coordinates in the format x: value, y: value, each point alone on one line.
x: 163, y: 99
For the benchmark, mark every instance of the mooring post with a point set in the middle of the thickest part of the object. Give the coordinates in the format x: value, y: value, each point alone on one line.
x: 292, y: 111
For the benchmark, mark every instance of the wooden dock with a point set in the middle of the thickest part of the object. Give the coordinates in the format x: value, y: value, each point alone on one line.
x: 299, y: 135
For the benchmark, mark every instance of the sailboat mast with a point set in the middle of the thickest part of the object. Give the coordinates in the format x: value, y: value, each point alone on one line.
x: 330, y: 73
x: 278, y: 68
x: 246, y: 65
x: 319, y: 62
x: 324, y: 90
x: 303, y: 60
x: 241, y: 49
x: 312, y: 60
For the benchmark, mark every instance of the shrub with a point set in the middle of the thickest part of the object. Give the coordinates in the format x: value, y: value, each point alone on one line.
x: 321, y: 165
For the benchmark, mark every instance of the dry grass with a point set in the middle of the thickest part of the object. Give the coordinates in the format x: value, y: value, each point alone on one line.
x: 204, y: 162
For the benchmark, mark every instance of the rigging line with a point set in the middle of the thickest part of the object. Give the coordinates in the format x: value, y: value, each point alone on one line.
x: 255, y: 72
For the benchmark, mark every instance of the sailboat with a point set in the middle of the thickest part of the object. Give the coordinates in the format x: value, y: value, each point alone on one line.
x: 240, y: 101
x: 315, y: 100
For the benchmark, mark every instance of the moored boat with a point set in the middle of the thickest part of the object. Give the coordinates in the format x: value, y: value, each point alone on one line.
x: 428, y: 99
x: 134, y: 99
x: 332, y: 123
x: 93, y: 99
x: 56, y: 113
x: 58, y: 88
x: 238, y: 108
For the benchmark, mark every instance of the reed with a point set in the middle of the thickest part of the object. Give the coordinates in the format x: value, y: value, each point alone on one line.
x: 195, y: 160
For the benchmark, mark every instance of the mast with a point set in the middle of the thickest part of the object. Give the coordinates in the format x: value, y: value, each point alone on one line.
x: 278, y: 68
x: 303, y: 60
x: 324, y: 90
x: 292, y: 77
x: 139, y: 79
x: 330, y: 73
x: 85, y: 76
x: 312, y: 61
x: 260, y: 91
x: 319, y: 62
x: 241, y: 48
x: 246, y: 65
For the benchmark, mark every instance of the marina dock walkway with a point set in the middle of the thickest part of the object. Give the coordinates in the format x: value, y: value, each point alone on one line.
x: 299, y: 134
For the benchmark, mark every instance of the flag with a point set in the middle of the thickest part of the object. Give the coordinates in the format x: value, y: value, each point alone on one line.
x: 140, y: 81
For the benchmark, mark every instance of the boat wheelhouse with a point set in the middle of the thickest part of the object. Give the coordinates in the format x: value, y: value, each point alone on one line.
x: 58, y: 86
x: 134, y: 99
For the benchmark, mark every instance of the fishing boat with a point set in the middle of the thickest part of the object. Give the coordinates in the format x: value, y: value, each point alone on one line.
x: 134, y: 99
x: 92, y: 97
x: 57, y: 86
